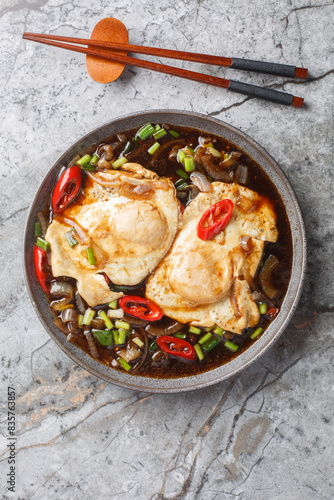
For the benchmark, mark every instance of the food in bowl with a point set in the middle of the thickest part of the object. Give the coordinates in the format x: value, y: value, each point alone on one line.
x: 164, y: 251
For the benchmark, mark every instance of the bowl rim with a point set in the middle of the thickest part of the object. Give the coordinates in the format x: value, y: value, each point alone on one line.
x: 252, y: 353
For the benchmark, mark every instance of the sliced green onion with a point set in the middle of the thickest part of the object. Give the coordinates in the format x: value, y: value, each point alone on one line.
x: 214, y: 152
x: 157, y: 127
x: 180, y: 335
x: 122, y: 336
x: 127, y: 148
x: 230, y: 346
x: 174, y: 134
x: 84, y: 160
x: 80, y: 319
x: 115, y: 336
x: 182, y: 186
x: 219, y: 331
x: 106, y: 320
x: 70, y: 239
x: 118, y: 163
x: 205, y: 337
x: 154, y: 345
x: 125, y: 365
x: 211, y: 344
x: 145, y: 131
x: 195, y: 330
x: 41, y: 243
x: 189, y: 164
x: 199, y: 352
x: 181, y: 156
x: 38, y: 230
x: 256, y: 333
x: 179, y: 182
x: 122, y: 324
x: 91, y: 256
x: 104, y: 337
x: 89, y: 167
x: 88, y: 316
x: 113, y: 304
x: 263, y: 307
x: 160, y: 133
x: 153, y: 148
x: 94, y: 160
x: 116, y: 313
x: 182, y: 174
x: 138, y: 342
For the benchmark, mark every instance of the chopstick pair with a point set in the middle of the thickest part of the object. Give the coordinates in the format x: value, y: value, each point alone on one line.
x: 235, y: 63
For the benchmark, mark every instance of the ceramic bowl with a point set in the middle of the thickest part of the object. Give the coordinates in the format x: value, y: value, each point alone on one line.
x: 275, y: 329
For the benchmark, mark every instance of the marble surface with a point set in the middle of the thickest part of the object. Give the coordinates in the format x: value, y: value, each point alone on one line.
x: 267, y: 434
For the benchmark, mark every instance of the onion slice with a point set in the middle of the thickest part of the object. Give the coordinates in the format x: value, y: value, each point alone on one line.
x: 63, y: 292
x: 83, y: 237
x: 201, y: 181
x: 265, y: 276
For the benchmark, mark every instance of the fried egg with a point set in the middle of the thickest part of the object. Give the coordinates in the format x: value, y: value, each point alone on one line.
x: 202, y: 282
x: 129, y: 217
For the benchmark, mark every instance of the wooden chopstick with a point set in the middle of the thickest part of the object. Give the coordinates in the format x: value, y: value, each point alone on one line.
x: 230, y: 62
x: 243, y: 88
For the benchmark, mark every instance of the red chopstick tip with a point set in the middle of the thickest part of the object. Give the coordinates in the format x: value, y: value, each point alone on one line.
x: 301, y: 73
x: 297, y: 102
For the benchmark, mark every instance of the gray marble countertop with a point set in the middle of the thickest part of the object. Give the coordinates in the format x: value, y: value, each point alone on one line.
x: 267, y: 434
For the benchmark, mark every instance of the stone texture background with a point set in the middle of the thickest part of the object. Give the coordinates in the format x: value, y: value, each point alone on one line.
x: 267, y: 434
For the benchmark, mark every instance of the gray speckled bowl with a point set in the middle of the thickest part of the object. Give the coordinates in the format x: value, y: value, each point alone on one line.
x: 274, y: 330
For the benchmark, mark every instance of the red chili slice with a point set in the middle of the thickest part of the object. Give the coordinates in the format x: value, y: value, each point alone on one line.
x: 140, y: 308
x: 66, y: 189
x: 215, y: 219
x: 176, y: 347
x: 272, y: 312
x: 40, y: 259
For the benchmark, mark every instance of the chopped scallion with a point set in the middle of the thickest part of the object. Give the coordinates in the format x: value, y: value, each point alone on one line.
x: 263, y: 307
x: 41, y: 243
x: 218, y: 331
x: 124, y: 363
x: 199, y: 352
x: 118, y: 163
x: 214, y: 152
x: 211, y: 344
x: 181, y: 156
x: 80, y: 319
x: 157, y: 127
x: 104, y: 337
x: 230, y: 346
x: 122, y: 324
x: 256, y: 333
x: 195, y: 330
x: 182, y: 174
x: 91, y: 256
x: 116, y: 313
x: 122, y: 336
x: 89, y: 167
x: 153, y: 148
x: 180, y: 335
x: 115, y: 336
x: 182, y: 186
x: 154, y: 345
x: 106, y: 320
x: 205, y: 337
x: 70, y: 239
x: 38, y: 230
x: 179, y: 182
x: 174, y: 134
x: 94, y: 160
x: 84, y: 160
x: 138, y: 342
x: 145, y: 132
x: 160, y: 133
x: 113, y: 304
x: 127, y: 148
x: 88, y: 316
x: 189, y: 164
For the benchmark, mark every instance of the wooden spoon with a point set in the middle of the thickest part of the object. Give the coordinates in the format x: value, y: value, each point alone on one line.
x: 110, y: 30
